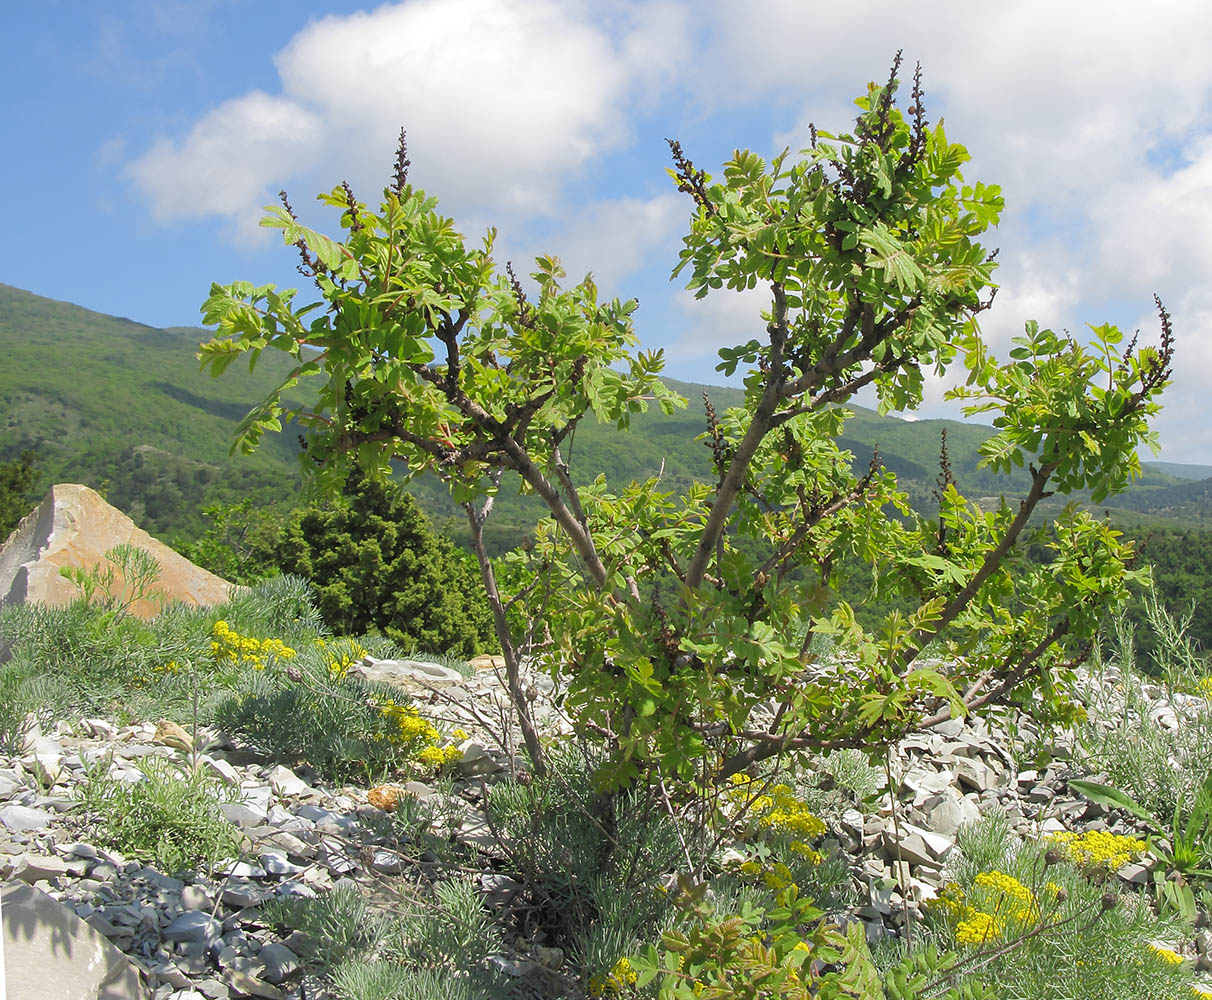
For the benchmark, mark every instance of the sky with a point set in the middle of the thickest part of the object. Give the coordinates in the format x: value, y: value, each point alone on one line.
x: 143, y: 137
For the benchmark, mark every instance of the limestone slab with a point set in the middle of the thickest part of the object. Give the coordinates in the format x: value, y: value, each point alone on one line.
x: 51, y: 952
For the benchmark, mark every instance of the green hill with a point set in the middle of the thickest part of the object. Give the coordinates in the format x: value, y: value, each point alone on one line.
x: 122, y: 406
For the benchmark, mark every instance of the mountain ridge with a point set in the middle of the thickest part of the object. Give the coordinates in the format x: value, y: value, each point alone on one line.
x: 132, y: 411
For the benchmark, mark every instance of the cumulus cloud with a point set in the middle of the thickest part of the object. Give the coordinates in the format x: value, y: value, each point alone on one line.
x: 614, y: 239
x: 227, y: 162
x: 723, y: 319
x: 504, y: 100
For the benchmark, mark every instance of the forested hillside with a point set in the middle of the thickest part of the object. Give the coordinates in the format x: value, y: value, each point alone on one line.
x: 123, y: 407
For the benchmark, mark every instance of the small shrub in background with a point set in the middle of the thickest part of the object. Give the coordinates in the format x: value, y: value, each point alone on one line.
x: 26, y: 697
x: 171, y: 817
x: 342, y: 919
x: 593, y: 875
x: 239, y: 544
x: 376, y: 564
x: 282, y: 607
x: 93, y: 661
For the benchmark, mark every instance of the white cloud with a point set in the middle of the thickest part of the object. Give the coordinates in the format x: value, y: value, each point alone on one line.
x: 723, y: 319
x: 504, y: 100
x: 614, y: 239
x: 228, y: 163
x: 1155, y: 231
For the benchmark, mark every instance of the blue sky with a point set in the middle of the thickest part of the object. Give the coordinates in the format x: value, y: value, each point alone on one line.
x: 143, y: 137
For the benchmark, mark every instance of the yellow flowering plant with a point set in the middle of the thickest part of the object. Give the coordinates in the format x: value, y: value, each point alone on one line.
x: 1186, y: 845
x: 229, y: 648
x: 1097, y: 848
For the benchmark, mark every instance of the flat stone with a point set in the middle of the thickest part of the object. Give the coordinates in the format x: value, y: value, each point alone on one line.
x: 408, y: 675
x: 195, y: 897
x: 193, y: 925
x: 293, y: 887
x: 286, y: 783
x: 948, y: 811
x: 917, y: 846
x: 98, y: 729
x: 276, y: 864
x: 975, y: 775
x: 242, y: 814
x: 77, y: 850
x: 169, y: 734
x: 923, y: 782
x: 23, y: 818
x: 242, y: 869
x: 475, y: 760
x: 242, y: 896
x: 35, y: 867
x: 244, y: 985
x: 49, y: 952
x: 290, y: 843
x: 475, y: 830
x: 388, y: 862
x: 280, y: 962
x: 221, y: 768
x: 167, y: 972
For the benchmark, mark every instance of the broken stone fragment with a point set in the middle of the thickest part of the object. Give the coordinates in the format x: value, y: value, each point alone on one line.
x: 169, y: 734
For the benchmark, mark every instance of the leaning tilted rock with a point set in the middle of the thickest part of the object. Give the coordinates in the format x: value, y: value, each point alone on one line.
x: 75, y: 527
x: 50, y: 952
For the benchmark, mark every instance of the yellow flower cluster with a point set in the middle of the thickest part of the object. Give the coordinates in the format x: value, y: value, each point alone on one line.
x: 808, y: 851
x: 340, y: 656
x: 778, y: 878
x: 1166, y: 955
x: 777, y: 808
x: 228, y: 647
x: 980, y: 928
x: 438, y: 757
x: 1098, y: 848
x: 1003, y: 898
x: 617, y: 980
x: 1010, y: 889
x: 1205, y: 687
x: 412, y: 729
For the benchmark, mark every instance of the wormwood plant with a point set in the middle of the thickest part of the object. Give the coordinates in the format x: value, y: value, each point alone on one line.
x: 315, y: 710
x: 170, y: 817
x: 127, y: 577
x: 432, y: 950
x: 1159, y: 767
x: 685, y: 628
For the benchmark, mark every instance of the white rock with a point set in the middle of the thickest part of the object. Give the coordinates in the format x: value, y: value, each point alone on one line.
x: 220, y: 768
x: 23, y: 818
x: 409, y: 675
x: 286, y: 783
